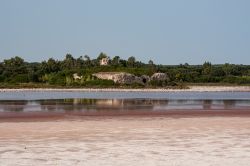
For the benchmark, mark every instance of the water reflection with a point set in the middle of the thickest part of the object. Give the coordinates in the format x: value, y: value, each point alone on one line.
x: 120, y: 105
x: 229, y: 104
x: 207, y: 104
x: 16, y: 106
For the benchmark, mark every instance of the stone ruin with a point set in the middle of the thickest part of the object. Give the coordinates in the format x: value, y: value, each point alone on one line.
x: 127, y: 78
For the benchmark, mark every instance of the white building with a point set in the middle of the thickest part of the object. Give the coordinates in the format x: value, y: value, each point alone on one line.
x: 104, y: 61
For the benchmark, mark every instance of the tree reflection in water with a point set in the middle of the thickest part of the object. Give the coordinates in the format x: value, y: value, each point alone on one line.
x: 207, y: 104
x: 229, y: 104
x: 99, y: 104
x: 87, y: 105
x: 16, y: 106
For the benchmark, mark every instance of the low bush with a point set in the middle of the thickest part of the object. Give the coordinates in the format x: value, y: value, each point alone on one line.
x: 98, y: 83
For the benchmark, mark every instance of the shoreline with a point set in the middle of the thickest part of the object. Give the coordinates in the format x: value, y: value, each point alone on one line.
x: 189, y: 89
x: 75, y: 116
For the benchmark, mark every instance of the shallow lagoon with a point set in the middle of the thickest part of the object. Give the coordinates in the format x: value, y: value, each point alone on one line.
x: 122, y: 101
x: 50, y: 128
x: 38, y: 95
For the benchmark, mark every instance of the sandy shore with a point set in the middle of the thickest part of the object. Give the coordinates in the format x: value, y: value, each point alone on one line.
x: 127, y: 141
x: 191, y: 88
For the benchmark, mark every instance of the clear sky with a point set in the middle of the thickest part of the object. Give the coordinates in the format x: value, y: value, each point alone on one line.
x: 166, y: 31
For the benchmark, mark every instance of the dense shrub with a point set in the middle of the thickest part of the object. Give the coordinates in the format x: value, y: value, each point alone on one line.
x: 237, y: 80
x: 156, y: 83
x: 2, y: 78
x: 98, y: 83
x: 55, y: 79
x: 20, y: 78
x: 60, y: 72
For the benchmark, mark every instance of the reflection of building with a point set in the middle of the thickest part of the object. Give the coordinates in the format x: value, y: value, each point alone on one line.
x: 229, y: 104
x: 207, y: 104
x: 79, y: 101
x: 130, y: 103
x: 82, y: 104
x: 110, y: 102
x: 104, y: 61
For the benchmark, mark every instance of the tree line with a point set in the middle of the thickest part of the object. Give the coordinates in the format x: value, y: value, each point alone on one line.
x: 16, y: 70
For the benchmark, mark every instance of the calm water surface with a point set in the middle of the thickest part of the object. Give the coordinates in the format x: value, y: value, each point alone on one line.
x: 122, y: 101
x: 38, y: 95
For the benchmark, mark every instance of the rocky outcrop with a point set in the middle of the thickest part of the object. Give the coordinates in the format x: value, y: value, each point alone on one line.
x: 127, y: 78
x: 76, y: 76
x: 119, y: 77
x: 159, y: 77
x: 145, y: 79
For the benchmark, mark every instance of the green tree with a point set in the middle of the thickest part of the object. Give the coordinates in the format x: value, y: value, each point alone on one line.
x: 14, y: 62
x: 131, y: 61
x: 15, y: 65
x: 227, y: 68
x: 79, y: 62
x: 123, y: 63
x: 150, y: 62
x: 115, y: 61
x: 101, y: 56
x: 53, y: 65
x: 207, y: 68
x: 69, y: 62
x: 87, y: 60
x: 1, y: 68
x: 152, y: 67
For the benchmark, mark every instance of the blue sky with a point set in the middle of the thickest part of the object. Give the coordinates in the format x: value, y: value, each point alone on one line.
x: 166, y: 31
